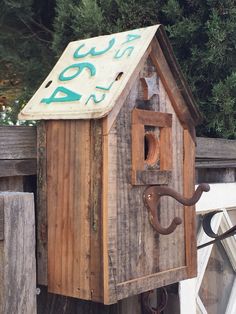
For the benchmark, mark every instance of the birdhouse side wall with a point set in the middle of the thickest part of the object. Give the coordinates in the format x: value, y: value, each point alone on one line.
x: 74, y: 175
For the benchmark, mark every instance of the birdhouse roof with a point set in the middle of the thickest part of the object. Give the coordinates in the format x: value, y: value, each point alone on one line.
x: 92, y: 77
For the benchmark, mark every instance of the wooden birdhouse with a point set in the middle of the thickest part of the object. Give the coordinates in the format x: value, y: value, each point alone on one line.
x: 120, y: 151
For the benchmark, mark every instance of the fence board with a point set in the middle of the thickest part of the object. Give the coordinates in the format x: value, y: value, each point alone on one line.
x: 25, y: 167
x: 17, y: 142
x: 216, y: 148
x: 17, y: 257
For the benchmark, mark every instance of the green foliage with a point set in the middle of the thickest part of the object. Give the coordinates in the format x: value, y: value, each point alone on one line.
x: 224, y: 100
x: 203, y: 33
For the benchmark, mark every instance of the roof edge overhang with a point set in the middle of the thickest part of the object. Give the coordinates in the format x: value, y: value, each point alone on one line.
x: 178, y: 75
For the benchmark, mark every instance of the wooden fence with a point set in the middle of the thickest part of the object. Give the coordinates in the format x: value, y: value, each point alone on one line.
x: 215, y: 162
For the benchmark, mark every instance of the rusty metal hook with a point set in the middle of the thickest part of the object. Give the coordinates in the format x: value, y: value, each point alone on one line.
x: 152, y: 197
x: 146, y: 306
x: 206, y: 224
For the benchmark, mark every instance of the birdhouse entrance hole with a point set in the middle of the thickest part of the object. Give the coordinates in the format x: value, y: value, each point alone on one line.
x: 151, y: 148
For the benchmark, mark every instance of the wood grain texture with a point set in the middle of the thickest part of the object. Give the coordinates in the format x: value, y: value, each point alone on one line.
x: 68, y: 177
x: 22, y: 167
x: 215, y: 148
x: 137, y: 150
x: 172, y: 248
x: 167, y: 140
x: 220, y: 175
x: 17, y: 256
x: 96, y: 158
x: 41, y: 206
x: 1, y: 220
x: 17, y: 142
x: 171, y: 87
x: 12, y: 184
x: 109, y: 217
x: 151, y: 282
x: 152, y: 118
x: 154, y: 177
x: 190, y: 214
x: 214, y: 163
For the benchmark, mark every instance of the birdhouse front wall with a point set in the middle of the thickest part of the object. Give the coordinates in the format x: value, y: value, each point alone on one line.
x: 139, y: 258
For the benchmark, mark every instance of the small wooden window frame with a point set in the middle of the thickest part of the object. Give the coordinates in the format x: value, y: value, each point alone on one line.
x: 140, y: 119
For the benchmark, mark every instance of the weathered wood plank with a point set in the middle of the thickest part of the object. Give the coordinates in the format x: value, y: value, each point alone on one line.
x: 17, y: 256
x: 109, y: 217
x: 212, y: 163
x: 151, y: 282
x: 166, y: 141
x: 152, y: 177
x: 68, y: 199
x: 216, y: 175
x: 171, y: 87
x: 12, y: 184
x: 41, y: 206
x: 147, y: 117
x: 172, y: 250
x: 1, y: 220
x: 96, y: 268
x: 215, y: 148
x: 137, y: 150
x: 17, y: 142
x: 26, y: 167
x: 190, y: 214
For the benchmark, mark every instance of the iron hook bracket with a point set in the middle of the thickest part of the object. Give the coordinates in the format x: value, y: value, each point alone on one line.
x: 152, y: 197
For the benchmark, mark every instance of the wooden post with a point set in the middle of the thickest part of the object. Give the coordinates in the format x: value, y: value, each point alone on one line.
x: 17, y: 253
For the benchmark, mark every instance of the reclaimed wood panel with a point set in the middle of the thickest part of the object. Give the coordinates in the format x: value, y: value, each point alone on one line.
x: 68, y: 155
x: 17, y: 254
x: 149, y: 282
x: 141, y: 252
x: 41, y: 206
x: 171, y: 87
x: 190, y: 214
x: 17, y: 142
x: 73, y: 205
x: 96, y: 159
x: 212, y: 163
x: 1, y: 222
x: 109, y: 217
x: 215, y: 148
x: 12, y: 184
x: 22, y: 167
x: 153, y: 177
x: 172, y: 251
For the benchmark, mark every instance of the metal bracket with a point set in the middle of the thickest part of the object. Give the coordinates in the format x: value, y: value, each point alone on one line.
x: 206, y: 224
x: 152, y: 197
x: 161, y: 302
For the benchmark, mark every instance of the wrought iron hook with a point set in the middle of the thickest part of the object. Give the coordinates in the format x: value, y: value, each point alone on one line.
x: 206, y: 224
x: 161, y: 303
x: 152, y: 197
